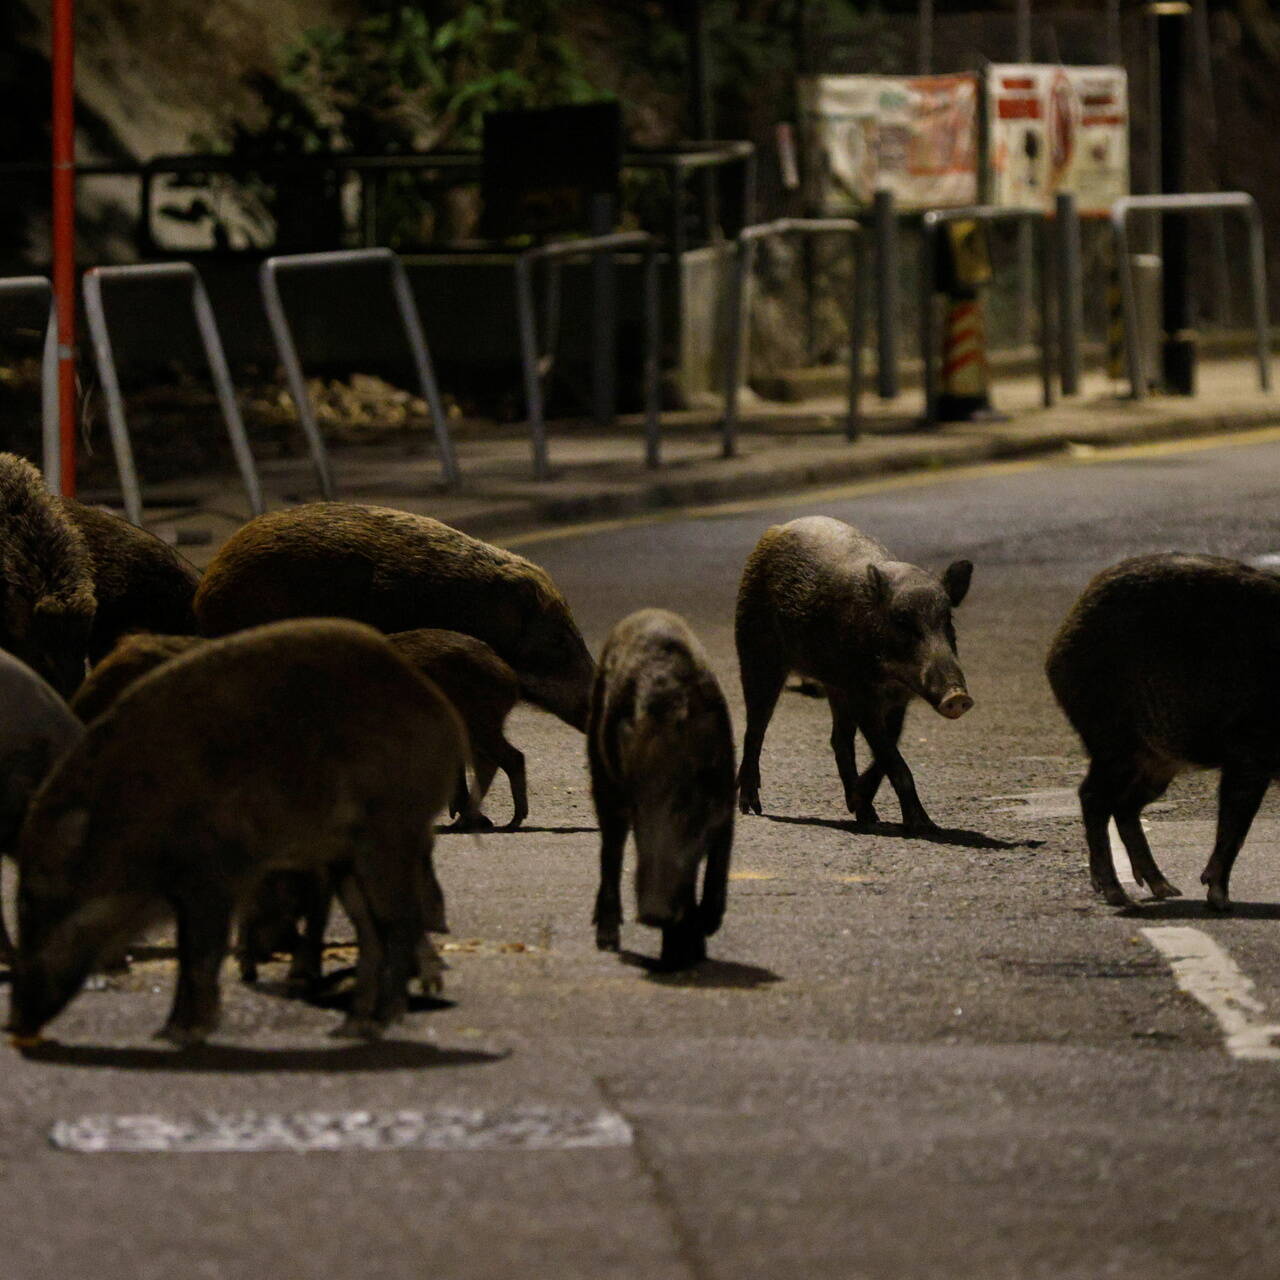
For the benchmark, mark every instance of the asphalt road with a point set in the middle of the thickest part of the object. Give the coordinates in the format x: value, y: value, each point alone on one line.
x: 905, y: 1058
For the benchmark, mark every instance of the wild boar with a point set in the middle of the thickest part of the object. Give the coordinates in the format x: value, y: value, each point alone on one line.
x: 139, y: 581
x: 36, y: 730
x: 47, y: 599
x: 305, y: 745
x: 1167, y: 662
x: 483, y: 689
x: 400, y: 572
x: 131, y: 659
x: 660, y: 749
x: 822, y: 599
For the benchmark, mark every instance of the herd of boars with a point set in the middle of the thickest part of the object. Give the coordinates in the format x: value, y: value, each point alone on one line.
x: 237, y: 748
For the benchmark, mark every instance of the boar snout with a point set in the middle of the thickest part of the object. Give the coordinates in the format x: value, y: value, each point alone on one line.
x: 954, y: 703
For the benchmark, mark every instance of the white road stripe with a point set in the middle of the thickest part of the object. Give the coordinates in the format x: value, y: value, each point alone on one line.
x: 1203, y: 970
x: 530, y: 1128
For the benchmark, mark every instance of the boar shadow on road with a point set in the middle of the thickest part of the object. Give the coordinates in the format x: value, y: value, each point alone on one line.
x: 379, y: 1055
x: 707, y: 973
x: 938, y: 835
x: 1191, y: 909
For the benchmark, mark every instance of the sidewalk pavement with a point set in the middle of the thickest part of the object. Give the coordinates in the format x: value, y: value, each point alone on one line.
x: 782, y: 447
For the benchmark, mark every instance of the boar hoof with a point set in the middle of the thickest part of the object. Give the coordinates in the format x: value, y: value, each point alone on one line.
x: 608, y: 938
x: 1115, y: 896
x: 749, y: 802
x: 1218, y: 900
x: 1161, y: 888
x: 471, y: 822
x: 357, y: 1029
x: 182, y: 1037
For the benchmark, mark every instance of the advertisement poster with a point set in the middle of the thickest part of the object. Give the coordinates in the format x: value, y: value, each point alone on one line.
x: 1054, y: 129
x: 915, y: 136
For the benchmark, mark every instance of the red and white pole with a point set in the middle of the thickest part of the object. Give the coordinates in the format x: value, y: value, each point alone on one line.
x: 64, y: 229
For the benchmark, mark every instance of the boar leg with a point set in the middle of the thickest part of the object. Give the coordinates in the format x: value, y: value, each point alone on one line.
x: 359, y: 1023
x: 7, y: 952
x: 511, y: 762
x: 204, y: 929
x: 684, y: 945
x: 470, y: 817
x: 715, y: 880
x: 844, y: 727
x: 882, y: 729
x: 306, y: 968
x: 1141, y: 791
x: 1097, y: 804
x: 763, y: 676
x: 607, y: 916
x: 1240, y: 792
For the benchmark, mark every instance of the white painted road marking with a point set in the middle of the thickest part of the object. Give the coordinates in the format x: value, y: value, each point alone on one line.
x: 441, y: 1129
x: 1203, y: 970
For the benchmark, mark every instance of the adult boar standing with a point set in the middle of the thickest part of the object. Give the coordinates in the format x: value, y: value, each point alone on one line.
x: 400, y: 572
x: 821, y: 598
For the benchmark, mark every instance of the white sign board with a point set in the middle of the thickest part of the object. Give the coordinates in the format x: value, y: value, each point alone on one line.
x: 915, y: 136
x: 1054, y: 129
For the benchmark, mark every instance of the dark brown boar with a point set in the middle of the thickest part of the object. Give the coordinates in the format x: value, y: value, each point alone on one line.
x: 1167, y: 662
x: 483, y: 689
x: 401, y: 572
x: 131, y: 659
x: 47, y: 598
x: 36, y: 730
x: 660, y: 748
x: 822, y: 599
x: 305, y: 745
x: 140, y: 582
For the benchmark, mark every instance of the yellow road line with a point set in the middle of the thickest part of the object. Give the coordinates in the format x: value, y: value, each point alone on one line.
x: 920, y: 479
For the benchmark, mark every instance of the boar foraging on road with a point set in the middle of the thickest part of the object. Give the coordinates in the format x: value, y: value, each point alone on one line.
x: 400, y: 572
x: 822, y: 599
x: 36, y: 729
x: 47, y: 597
x: 305, y: 745
x: 660, y: 747
x: 140, y: 582
x: 1167, y: 662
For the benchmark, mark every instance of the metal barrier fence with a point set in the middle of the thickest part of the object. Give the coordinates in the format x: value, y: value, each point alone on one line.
x: 40, y: 286
x: 287, y: 349
x: 104, y: 358
x: 533, y: 365
x: 933, y: 219
x: 1204, y: 202
x: 747, y: 239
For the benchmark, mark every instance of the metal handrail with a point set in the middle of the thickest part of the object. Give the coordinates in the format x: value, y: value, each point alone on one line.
x: 104, y: 358
x: 932, y: 220
x: 49, y: 414
x: 287, y: 349
x: 593, y: 246
x: 745, y: 251
x: 1190, y: 202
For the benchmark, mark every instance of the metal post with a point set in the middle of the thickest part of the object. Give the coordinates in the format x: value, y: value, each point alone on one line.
x: 928, y: 319
x: 743, y: 254
x: 527, y: 322
x: 1258, y: 293
x: 886, y: 225
x: 1040, y: 230
x: 64, y: 231
x: 1178, y: 355
x: 858, y: 319
x: 652, y: 355
x: 604, y: 319
x: 1070, y: 291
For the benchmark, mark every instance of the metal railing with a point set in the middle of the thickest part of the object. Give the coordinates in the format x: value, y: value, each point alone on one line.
x: 933, y: 219
x: 1200, y: 202
x: 735, y: 320
x: 104, y: 358
x: 287, y: 349
x: 40, y: 286
x: 534, y: 365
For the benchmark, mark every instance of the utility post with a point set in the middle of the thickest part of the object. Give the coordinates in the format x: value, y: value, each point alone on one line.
x: 1172, y: 18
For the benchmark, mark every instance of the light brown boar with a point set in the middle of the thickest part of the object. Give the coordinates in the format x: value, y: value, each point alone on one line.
x: 306, y: 745
x: 400, y: 572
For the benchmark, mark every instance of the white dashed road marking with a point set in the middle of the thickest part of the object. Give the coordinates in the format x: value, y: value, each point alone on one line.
x: 1204, y: 970
x: 441, y: 1129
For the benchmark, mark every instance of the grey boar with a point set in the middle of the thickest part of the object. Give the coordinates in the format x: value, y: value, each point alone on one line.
x: 36, y: 729
x: 305, y: 745
x: 47, y: 599
x: 1167, y: 662
x: 660, y: 749
x: 483, y: 689
x: 131, y: 659
x: 826, y: 601
x: 140, y: 582
x: 400, y: 572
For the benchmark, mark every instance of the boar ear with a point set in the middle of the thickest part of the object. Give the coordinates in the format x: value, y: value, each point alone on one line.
x: 878, y: 583
x: 955, y: 581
